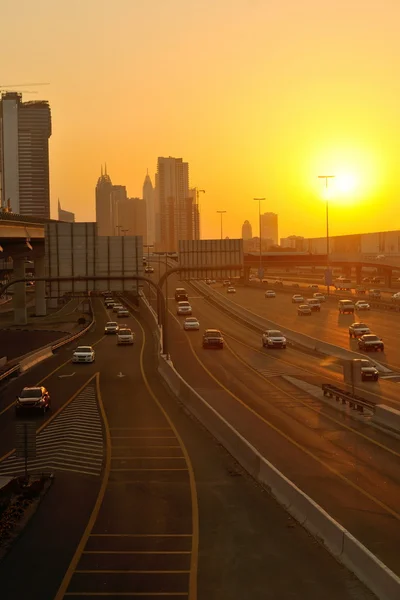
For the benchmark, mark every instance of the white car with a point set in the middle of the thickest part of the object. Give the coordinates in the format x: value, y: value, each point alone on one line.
x: 319, y: 296
x: 304, y: 310
x: 184, y: 308
x: 231, y: 290
x: 117, y: 307
x: 191, y: 324
x: 297, y: 299
x: 111, y: 327
x: 356, y: 330
x: 269, y: 294
x: 396, y: 297
x: 374, y: 293
x: 313, y: 286
x: 123, y: 312
x: 272, y: 338
x: 314, y: 304
x: 83, y: 354
x: 149, y: 269
x: 125, y: 336
x: 362, y: 305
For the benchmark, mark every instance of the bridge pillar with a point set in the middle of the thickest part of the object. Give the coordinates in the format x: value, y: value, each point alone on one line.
x: 388, y: 277
x: 346, y: 271
x: 246, y: 275
x: 358, y: 275
x: 19, y: 297
x: 40, y: 288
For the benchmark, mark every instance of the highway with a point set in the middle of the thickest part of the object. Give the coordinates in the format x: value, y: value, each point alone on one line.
x: 145, y: 503
x: 339, y: 462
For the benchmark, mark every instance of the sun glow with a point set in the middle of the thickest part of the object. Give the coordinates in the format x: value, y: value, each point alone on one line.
x: 345, y: 183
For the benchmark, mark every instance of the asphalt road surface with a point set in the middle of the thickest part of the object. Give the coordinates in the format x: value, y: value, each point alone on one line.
x: 170, y: 511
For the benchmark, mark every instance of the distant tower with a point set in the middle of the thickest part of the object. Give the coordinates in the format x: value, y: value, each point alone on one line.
x: 269, y: 227
x: 149, y: 199
x: 104, y: 205
x: 247, y: 231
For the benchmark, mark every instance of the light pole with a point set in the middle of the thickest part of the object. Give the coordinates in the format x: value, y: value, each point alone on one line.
x: 328, y: 275
x: 259, y: 200
x: 119, y: 227
x: 221, y: 212
x: 124, y: 231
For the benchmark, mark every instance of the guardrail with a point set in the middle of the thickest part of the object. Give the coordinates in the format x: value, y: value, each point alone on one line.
x: 33, y: 358
x: 352, y: 400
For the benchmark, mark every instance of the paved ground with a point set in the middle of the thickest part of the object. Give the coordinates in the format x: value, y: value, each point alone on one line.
x: 144, y: 537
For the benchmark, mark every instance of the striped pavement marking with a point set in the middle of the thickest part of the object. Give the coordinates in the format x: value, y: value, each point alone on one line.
x: 73, y: 441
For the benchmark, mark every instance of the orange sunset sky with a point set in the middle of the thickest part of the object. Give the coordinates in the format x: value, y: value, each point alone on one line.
x: 259, y: 96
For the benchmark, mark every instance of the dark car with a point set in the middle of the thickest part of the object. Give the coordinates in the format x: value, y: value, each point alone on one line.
x: 369, y: 373
x: 370, y: 341
x: 212, y: 338
x: 181, y: 295
x: 33, y: 398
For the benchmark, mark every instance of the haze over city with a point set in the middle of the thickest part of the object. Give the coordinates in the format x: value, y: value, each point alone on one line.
x: 258, y: 97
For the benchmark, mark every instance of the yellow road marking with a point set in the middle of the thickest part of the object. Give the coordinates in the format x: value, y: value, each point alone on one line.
x: 92, y: 519
x: 136, y: 552
x: 195, y: 508
x: 130, y: 594
x: 292, y: 441
x: 140, y: 535
x: 307, y: 405
x: 126, y: 571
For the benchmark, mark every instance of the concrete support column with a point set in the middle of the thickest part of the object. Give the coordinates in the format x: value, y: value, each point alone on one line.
x: 246, y: 275
x: 388, y: 278
x: 346, y: 271
x: 358, y: 275
x: 40, y: 288
x: 19, y: 289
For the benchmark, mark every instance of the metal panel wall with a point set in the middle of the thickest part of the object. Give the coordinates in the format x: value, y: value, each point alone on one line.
x: 74, y: 249
x: 207, y: 254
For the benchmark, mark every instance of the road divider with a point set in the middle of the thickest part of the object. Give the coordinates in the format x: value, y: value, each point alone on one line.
x: 340, y: 542
x: 33, y: 359
x: 387, y: 416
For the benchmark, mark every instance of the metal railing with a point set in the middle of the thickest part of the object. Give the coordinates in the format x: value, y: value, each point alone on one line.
x: 352, y: 400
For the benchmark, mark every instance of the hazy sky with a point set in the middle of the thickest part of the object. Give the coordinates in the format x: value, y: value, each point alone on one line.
x: 259, y: 96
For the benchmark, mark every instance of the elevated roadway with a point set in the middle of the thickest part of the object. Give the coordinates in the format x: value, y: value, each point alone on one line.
x: 339, y: 462
x: 169, y: 512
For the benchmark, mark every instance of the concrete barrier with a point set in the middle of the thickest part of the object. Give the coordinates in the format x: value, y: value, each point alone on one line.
x: 35, y: 358
x: 368, y: 568
x: 3, y: 361
x: 385, y: 415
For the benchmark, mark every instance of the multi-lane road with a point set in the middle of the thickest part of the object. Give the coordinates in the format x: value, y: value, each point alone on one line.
x: 144, y: 503
x: 348, y: 467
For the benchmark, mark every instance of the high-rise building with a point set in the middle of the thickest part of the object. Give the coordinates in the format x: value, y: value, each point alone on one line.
x: 296, y: 242
x: 104, y: 205
x: 65, y: 215
x: 132, y: 217
x: 247, y: 231
x: 149, y: 199
x: 195, y: 217
x: 269, y: 227
x: 118, y: 196
x: 25, y: 128
x: 173, y: 198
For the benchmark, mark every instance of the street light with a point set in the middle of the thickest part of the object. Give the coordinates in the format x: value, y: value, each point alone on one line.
x: 221, y: 212
x: 124, y: 231
x: 328, y: 275
x: 259, y: 200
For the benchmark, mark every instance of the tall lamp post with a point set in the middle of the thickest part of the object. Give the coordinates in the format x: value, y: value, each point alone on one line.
x: 328, y: 275
x: 259, y: 200
x: 221, y: 212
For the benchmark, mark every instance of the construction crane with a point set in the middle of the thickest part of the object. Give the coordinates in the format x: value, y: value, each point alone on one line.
x: 10, y: 87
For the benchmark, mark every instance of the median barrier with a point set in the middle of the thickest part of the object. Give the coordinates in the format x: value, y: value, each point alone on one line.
x: 385, y: 415
x: 369, y: 569
x: 3, y: 361
x: 35, y: 358
x: 318, y: 522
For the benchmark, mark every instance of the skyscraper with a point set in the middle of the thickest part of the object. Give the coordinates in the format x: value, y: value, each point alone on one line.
x: 149, y: 199
x: 25, y: 128
x: 65, y: 215
x: 269, y: 227
x: 118, y: 196
x: 173, y: 197
x: 104, y: 205
x: 132, y: 217
x: 247, y: 231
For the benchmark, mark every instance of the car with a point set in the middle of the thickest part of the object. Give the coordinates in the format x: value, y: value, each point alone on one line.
x: 358, y: 329
x: 35, y: 398
x: 314, y: 304
x: 374, y: 293
x: 111, y: 327
x: 116, y: 307
x: 264, y: 280
x: 273, y: 338
x: 304, y: 310
x: 360, y: 289
x: 366, y: 279
x: 231, y: 290
x: 346, y: 307
x: 83, y: 354
x: 370, y: 341
x: 295, y: 285
x: 149, y: 269
x: 376, y: 280
x: 213, y: 281
x: 125, y: 336
x: 297, y: 299
x: 181, y: 294
x: 122, y: 312
x: 191, y: 324
x: 313, y: 286
x: 226, y: 282
x: 320, y: 297
x: 208, y: 281
x: 109, y: 303
x: 183, y: 308
x: 368, y: 372
x: 396, y: 297
x: 212, y: 338
x: 362, y: 305
x: 269, y: 294
x: 278, y: 282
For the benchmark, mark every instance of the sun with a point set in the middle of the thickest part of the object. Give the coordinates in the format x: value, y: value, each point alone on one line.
x: 345, y: 183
